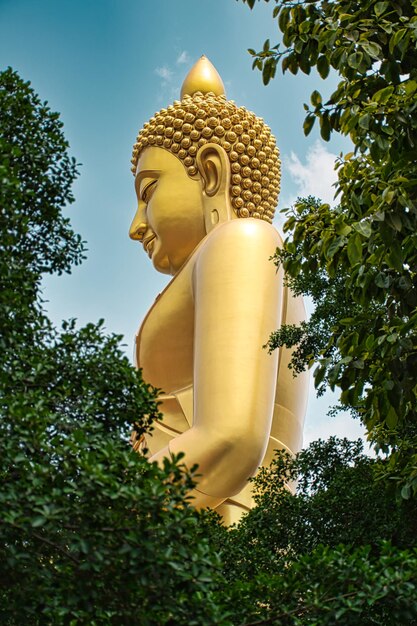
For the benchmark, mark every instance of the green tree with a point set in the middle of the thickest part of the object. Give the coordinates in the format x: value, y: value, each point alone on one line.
x: 369, y: 241
x: 341, y: 550
x: 90, y: 532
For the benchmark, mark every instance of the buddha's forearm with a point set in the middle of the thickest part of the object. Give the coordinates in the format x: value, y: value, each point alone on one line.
x: 225, y: 463
x: 200, y: 500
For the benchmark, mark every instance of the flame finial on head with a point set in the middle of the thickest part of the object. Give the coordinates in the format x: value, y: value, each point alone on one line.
x: 203, y: 77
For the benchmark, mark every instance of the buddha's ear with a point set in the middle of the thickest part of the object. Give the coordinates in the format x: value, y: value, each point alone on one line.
x: 214, y: 168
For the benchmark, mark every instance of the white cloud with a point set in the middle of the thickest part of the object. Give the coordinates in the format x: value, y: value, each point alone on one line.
x: 340, y: 425
x: 314, y: 177
x: 183, y: 57
x: 164, y: 73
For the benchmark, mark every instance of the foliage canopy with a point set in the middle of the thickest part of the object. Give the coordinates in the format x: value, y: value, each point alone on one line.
x: 89, y: 531
x: 367, y: 245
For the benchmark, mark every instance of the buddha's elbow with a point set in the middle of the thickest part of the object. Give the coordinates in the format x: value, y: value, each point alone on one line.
x: 227, y: 457
x: 249, y: 451
x: 244, y: 451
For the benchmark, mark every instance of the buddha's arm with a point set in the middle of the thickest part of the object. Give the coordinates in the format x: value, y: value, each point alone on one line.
x: 237, y: 303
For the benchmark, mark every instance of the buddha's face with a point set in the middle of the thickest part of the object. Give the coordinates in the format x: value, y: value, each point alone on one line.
x: 169, y: 220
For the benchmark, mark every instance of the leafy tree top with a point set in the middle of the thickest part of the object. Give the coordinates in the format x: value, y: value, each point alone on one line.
x: 37, y: 175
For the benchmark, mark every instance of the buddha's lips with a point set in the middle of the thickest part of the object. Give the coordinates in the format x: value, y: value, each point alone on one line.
x: 148, y: 245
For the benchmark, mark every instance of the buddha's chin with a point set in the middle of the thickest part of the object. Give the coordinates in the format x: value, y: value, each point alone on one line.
x: 161, y: 263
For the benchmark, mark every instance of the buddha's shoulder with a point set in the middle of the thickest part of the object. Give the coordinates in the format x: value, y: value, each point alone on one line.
x: 242, y: 236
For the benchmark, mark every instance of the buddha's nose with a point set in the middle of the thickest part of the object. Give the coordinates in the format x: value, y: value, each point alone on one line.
x: 138, y: 226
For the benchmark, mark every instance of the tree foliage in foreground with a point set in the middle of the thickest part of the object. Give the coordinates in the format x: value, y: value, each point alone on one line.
x: 369, y: 241
x: 342, y: 550
x: 91, y: 533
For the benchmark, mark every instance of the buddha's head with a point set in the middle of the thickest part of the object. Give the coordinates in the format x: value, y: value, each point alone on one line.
x: 221, y: 159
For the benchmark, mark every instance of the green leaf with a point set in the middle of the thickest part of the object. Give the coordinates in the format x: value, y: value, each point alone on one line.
x: 355, y: 59
x: 283, y: 19
x: 335, y: 245
x: 319, y: 374
x: 406, y: 492
x: 380, y: 7
x: 388, y: 195
x: 396, y: 38
x: 316, y: 98
x: 323, y: 66
x: 364, y: 228
x: 391, y: 418
x: 347, y: 321
x: 266, y: 73
x: 325, y: 127
x: 383, y: 95
x: 364, y: 121
x: 382, y: 280
x: 370, y: 342
x: 343, y: 229
x: 308, y: 124
x: 354, y: 249
x: 304, y: 62
x: 388, y: 130
x: 345, y: 17
x: 410, y: 87
x: 373, y: 49
x: 394, y: 220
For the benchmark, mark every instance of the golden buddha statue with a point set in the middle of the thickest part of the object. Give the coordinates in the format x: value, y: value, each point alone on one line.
x: 207, y: 178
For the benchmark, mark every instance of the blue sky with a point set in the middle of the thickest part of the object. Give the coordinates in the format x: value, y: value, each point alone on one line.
x: 107, y: 66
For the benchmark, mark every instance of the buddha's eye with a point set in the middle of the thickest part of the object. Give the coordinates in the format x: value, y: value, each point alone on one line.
x: 148, y: 191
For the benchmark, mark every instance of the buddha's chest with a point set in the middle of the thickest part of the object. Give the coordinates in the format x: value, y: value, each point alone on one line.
x: 165, y: 341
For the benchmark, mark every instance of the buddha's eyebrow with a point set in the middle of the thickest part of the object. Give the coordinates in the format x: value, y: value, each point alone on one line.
x: 145, y: 174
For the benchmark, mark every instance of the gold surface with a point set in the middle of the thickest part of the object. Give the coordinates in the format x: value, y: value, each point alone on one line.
x: 227, y: 403
x: 203, y: 77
